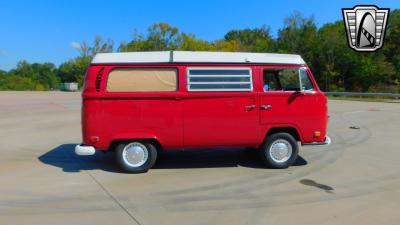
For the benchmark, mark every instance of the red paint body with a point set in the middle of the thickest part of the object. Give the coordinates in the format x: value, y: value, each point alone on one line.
x: 185, y: 119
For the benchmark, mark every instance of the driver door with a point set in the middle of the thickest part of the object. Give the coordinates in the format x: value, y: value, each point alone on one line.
x: 285, y: 100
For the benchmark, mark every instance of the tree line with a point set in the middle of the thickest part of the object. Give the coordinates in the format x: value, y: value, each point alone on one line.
x: 335, y: 66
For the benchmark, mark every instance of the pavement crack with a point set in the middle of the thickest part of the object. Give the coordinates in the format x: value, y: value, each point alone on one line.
x: 113, y: 198
x: 78, y: 161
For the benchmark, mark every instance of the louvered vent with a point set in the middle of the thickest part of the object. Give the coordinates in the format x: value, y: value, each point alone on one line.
x: 98, y: 79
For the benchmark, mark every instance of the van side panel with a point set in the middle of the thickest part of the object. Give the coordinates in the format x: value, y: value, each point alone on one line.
x: 220, y: 119
x: 129, y: 118
x: 110, y: 116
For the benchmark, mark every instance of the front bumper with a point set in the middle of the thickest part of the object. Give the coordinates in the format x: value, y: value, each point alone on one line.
x: 327, y: 141
x: 84, y: 150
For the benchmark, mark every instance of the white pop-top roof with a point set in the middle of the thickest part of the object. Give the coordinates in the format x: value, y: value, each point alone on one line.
x: 196, y: 57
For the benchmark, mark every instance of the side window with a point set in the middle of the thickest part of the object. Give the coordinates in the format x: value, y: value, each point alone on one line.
x: 271, y: 82
x: 305, y: 80
x: 281, y: 79
x: 219, y: 79
x: 142, y: 80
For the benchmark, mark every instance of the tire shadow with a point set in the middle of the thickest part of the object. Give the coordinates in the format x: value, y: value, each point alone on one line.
x: 209, y: 158
x: 64, y: 157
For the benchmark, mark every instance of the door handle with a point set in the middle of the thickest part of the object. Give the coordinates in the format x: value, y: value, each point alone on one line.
x: 265, y: 107
x: 249, y: 107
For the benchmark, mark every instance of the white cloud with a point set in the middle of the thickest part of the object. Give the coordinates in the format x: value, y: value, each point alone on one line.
x: 75, y: 45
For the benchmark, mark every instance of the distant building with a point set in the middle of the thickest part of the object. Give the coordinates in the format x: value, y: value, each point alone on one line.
x: 69, y: 87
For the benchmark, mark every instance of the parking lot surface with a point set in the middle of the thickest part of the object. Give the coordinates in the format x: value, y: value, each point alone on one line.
x: 355, y: 180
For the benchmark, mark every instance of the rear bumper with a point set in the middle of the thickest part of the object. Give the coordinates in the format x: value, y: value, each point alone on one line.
x: 327, y: 141
x: 84, y: 150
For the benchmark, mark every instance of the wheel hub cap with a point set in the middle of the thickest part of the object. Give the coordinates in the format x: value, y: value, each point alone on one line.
x: 135, y: 154
x: 280, y: 151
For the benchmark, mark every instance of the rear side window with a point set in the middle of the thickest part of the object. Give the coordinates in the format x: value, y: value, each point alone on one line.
x: 219, y: 79
x: 142, y: 80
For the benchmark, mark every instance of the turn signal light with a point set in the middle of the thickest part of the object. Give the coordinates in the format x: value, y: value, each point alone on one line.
x: 94, y: 139
x: 317, y: 133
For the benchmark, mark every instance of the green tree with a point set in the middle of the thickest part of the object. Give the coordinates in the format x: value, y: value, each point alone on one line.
x: 299, y: 36
x: 188, y: 42
x: 138, y: 43
x: 3, y: 77
x: 335, y: 66
x: 341, y: 68
x: 98, y: 46
x: 391, y: 47
x: 369, y: 71
x: 252, y: 40
x: 74, y: 70
x: 161, y: 36
x: 227, y: 46
x: 18, y: 83
x: 47, y: 75
x: 33, y: 77
x: 331, y: 62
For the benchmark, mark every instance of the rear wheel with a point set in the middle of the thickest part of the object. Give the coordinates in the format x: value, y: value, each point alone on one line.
x: 136, y: 156
x: 279, y: 150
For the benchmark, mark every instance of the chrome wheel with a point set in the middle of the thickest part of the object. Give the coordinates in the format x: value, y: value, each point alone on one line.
x: 280, y: 151
x: 135, y: 154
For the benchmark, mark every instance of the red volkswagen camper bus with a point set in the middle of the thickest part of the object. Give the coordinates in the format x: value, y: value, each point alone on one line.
x: 140, y: 103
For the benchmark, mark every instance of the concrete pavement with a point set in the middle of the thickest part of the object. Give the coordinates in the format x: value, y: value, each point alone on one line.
x: 355, y: 180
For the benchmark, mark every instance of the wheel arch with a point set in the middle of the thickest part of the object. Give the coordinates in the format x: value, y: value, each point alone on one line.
x: 286, y: 129
x: 129, y: 138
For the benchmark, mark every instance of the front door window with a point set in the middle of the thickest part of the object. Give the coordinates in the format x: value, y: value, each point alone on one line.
x: 281, y: 79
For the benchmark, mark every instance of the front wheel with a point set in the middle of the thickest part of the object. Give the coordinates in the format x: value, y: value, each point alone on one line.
x: 136, y: 156
x: 279, y: 150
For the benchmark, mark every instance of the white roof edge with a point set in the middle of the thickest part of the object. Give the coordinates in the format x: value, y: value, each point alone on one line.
x: 196, y: 57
